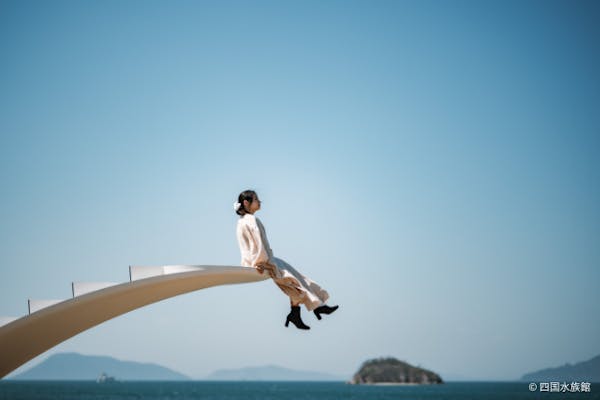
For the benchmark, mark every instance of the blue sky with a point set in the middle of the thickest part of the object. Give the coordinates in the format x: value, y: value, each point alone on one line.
x: 433, y: 165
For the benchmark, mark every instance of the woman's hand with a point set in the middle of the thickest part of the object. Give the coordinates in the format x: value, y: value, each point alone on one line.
x: 266, y: 267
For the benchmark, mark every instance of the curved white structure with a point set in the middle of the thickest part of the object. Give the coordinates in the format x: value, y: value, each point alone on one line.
x: 25, y: 338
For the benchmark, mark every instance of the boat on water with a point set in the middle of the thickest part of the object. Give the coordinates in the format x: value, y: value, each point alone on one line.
x: 105, y: 378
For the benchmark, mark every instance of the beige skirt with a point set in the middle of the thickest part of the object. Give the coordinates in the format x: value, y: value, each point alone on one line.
x: 299, y: 288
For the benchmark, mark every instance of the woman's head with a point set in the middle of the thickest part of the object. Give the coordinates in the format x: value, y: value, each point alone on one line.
x: 247, y: 203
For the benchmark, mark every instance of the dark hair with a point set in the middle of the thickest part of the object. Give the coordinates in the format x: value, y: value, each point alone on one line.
x: 249, y: 195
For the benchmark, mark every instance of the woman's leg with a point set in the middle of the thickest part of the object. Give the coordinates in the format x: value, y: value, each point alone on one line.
x: 299, y: 288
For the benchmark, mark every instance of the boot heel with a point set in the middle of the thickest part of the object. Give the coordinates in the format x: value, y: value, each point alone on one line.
x: 318, y: 315
x: 287, y: 322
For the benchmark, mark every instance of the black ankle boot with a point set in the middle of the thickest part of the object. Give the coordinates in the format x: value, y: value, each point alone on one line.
x: 324, y: 309
x: 294, y: 318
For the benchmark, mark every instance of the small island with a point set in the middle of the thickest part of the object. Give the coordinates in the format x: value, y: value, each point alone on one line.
x: 390, y: 371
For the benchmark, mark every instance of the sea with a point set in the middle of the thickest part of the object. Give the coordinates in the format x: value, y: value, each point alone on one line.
x: 82, y: 390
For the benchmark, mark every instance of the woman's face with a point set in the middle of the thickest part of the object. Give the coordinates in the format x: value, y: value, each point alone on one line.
x: 254, y: 206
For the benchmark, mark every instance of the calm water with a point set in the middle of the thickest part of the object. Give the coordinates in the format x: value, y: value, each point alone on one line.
x: 15, y: 390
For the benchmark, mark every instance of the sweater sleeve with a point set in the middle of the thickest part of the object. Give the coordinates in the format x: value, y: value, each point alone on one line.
x: 259, y: 254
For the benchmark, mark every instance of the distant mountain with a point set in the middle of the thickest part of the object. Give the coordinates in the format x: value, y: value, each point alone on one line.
x: 270, y: 373
x: 583, y: 371
x: 74, y: 366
